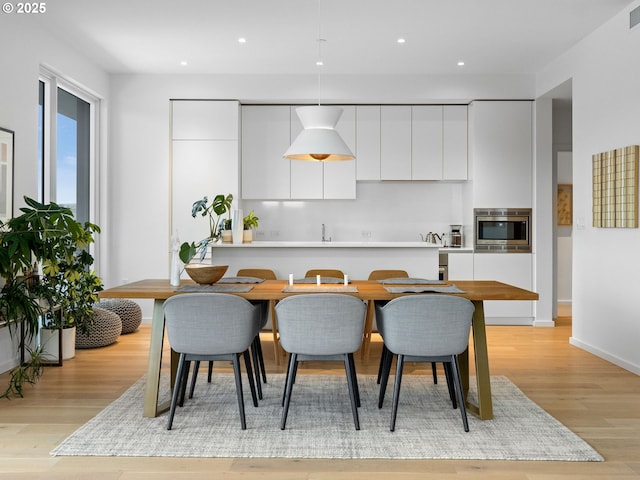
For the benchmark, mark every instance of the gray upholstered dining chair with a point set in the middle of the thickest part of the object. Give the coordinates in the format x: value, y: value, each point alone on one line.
x: 256, y: 345
x: 207, y: 327
x: 321, y: 327
x: 425, y: 328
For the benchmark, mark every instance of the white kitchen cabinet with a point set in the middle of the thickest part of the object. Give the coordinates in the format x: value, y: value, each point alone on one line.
x: 204, y: 159
x: 266, y: 136
x: 306, y: 177
x: 502, y: 158
x: 205, y: 120
x: 267, y: 132
x: 454, y: 142
x: 514, y: 269
x: 395, y: 142
x: 460, y: 266
x: 199, y: 168
x: 367, y: 142
x: 426, y: 142
x: 340, y: 177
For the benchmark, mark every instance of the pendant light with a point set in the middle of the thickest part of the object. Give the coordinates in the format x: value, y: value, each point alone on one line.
x: 319, y: 141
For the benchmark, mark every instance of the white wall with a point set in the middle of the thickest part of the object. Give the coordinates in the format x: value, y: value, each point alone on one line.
x: 28, y: 47
x: 606, y: 98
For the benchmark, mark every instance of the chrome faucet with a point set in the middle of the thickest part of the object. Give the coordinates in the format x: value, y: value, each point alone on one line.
x: 324, y: 237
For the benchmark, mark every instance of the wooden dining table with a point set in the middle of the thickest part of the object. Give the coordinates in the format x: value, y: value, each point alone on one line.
x: 368, y: 290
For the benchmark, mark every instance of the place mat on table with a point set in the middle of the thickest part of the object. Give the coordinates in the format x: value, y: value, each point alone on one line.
x: 424, y: 289
x: 322, y: 280
x: 320, y: 289
x: 240, y: 280
x: 215, y: 288
x: 410, y: 281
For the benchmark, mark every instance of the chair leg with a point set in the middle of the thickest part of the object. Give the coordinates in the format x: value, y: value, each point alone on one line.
x: 194, y: 377
x: 252, y: 386
x: 261, y: 359
x: 352, y: 383
x: 456, y: 375
x: 434, y: 372
x: 176, y: 391
x: 288, y: 387
x: 450, y: 383
x: 256, y: 365
x: 210, y: 373
x: 396, y: 391
x: 384, y: 379
x: 352, y: 364
x: 385, y: 352
x: 183, y: 382
x: 238, y: 377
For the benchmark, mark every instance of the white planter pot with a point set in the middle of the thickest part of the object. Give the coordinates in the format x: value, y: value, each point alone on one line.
x: 50, y: 344
x: 247, y: 236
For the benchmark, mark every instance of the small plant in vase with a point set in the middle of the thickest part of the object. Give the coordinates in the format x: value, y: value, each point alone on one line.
x: 199, y: 272
x: 250, y: 222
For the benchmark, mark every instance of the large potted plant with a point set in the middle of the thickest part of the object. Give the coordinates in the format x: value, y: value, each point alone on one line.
x: 49, y: 236
x: 198, y: 271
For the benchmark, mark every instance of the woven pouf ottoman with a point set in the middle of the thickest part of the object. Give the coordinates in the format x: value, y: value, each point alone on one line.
x: 105, y: 330
x: 129, y: 312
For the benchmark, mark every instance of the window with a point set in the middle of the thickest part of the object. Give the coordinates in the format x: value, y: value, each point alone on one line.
x: 67, y: 126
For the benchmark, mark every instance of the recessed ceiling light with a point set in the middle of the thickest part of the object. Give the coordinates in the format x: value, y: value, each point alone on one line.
x: 184, y: 63
x: 461, y: 63
x: 242, y: 40
x: 401, y: 40
x: 319, y: 63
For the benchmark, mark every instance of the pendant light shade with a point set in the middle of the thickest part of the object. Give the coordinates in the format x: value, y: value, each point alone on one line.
x: 319, y: 141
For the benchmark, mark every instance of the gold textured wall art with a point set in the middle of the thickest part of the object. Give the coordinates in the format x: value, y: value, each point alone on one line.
x: 565, y: 204
x: 615, y: 188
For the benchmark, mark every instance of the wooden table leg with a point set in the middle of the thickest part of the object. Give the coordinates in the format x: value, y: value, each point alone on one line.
x: 151, y: 407
x: 484, y: 408
x: 368, y: 328
x: 274, y: 330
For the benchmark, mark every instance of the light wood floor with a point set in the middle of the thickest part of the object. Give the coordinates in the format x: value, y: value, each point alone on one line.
x: 595, y: 399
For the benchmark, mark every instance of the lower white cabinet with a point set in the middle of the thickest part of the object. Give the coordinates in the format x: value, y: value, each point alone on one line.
x: 514, y: 269
x: 460, y: 266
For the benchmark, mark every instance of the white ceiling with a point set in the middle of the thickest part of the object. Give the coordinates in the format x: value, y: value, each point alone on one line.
x: 490, y: 36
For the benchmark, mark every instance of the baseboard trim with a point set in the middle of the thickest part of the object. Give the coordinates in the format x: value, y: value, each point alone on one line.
x: 605, y: 355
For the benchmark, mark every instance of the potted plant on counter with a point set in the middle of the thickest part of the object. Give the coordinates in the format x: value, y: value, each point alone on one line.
x: 250, y: 222
x: 200, y: 272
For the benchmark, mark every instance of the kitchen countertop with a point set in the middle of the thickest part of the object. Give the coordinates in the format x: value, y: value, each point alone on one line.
x: 266, y: 244
x: 309, y: 244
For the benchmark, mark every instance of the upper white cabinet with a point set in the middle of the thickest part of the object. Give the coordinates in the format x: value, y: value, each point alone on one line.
x: 204, y: 159
x: 340, y: 177
x: 501, y: 139
x: 267, y: 132
x: 395, y: 142
x: 205, y: 120
x: 426, y: 142
x: 423, y: 142
x: 367, y: 142
x: 454, y: 142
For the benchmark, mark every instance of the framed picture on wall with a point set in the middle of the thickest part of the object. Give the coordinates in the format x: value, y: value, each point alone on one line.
x: 6, y: 174
x: 565, y: 204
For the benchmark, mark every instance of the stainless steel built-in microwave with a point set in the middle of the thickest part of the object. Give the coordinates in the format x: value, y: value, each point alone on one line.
x: 502, y: 230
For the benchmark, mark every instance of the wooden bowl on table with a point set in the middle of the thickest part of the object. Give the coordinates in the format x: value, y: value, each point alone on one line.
x: 205, y: 274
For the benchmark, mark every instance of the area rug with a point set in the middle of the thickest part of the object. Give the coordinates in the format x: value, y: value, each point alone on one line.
x: 320, y: 424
